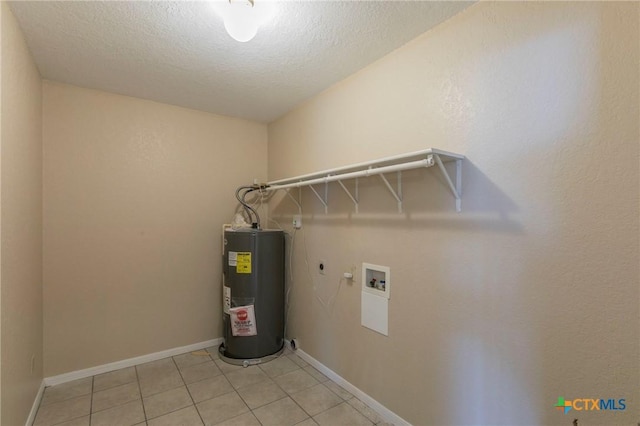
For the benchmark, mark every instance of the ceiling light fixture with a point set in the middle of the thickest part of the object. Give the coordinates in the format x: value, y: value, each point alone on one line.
x: 241, y: 20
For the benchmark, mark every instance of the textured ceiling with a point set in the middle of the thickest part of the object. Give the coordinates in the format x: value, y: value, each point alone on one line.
x: 179, y: 52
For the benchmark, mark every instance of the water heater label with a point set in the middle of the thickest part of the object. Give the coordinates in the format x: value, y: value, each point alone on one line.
x: 226, y: 298
x: 243, y: 262
x: 243, y: 321
x: 233, y: 258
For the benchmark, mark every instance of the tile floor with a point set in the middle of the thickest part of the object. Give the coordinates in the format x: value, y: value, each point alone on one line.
x: 196, y: 389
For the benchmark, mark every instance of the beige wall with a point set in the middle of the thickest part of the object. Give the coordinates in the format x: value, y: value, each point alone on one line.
x: 135, y: 193
x: 531, y: 292
x: 21, y: 220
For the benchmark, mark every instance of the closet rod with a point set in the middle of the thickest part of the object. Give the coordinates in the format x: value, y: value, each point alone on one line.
x: 427, y: 162
x: 446, y: 156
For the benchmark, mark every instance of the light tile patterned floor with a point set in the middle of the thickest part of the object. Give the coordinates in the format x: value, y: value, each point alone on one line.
x: 200, y: 389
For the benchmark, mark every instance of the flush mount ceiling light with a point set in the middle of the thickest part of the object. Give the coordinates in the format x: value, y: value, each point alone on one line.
x: 242, y: 18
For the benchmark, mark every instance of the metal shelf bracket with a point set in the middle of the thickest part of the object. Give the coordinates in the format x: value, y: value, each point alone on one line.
x: 326, y: 196
x: 396, y: 194
x: 456, y: 188
x: 287, y: 191
x: 353, y: 198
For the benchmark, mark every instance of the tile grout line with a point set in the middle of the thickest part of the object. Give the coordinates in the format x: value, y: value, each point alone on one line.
x: 91, y: 400
x: 184, y: 384
x: 235, y: 390
x: 309, y: 416
x: 252, y: 410
x: 187, y: 388
x: 342, y: 400
x: 289, y: 395
x: 144, y: 412
x: 68, y: 399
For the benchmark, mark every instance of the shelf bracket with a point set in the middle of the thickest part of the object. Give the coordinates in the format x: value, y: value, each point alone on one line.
x: 294, y: 200
x: 457, y: 188
x: 397, y: 195
x: 354, y: 199
x: 326, y: 194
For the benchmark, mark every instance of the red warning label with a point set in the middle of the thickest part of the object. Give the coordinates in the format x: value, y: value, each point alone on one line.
x: 243, y: 321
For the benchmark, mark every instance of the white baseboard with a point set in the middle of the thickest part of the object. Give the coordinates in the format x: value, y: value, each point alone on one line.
x: 388, y: 415
x: 105, y: 368
x: 36, y: 404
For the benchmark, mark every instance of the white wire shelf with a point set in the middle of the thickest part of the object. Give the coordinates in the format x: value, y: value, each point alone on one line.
x: 398, y: 163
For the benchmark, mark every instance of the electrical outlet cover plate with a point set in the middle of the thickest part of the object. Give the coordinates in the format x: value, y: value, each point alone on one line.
x: 297, y: 221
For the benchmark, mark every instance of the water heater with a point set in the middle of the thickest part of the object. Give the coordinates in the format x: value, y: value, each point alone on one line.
x: 253, y: 295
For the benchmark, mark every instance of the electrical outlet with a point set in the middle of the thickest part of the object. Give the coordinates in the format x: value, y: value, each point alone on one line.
x: 322, y: 267
x: 350, y: 274
x: 297, y: 221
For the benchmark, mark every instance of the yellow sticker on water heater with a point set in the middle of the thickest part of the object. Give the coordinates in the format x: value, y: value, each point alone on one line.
x: 243, y: 265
